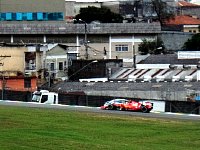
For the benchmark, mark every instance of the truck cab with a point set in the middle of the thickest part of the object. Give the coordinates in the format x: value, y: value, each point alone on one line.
x: 45, y: 97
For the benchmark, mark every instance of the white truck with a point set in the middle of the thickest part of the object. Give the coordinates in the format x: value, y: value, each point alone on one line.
x: 46, y: 97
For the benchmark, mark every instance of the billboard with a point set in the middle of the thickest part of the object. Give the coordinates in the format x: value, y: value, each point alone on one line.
x: 188, y: 54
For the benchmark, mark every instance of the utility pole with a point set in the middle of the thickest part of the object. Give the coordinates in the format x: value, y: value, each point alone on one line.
x: 134, y: 58
x: 86, y: 42
x: 85, y: 39
x: 3, y: 83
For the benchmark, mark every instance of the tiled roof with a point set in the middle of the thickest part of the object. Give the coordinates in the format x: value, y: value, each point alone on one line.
x: 183, y: 20
x: 186, y: 4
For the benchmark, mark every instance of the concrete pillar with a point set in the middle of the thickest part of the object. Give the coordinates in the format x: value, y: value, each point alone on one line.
x: 198, y: 75
x: 110, y: 48
x: 11, y: 39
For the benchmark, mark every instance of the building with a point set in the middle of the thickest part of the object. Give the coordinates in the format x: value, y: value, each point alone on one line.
x: 56, y: 62
x: 185, y: 23
x: 14, y: 63
x: 188, y: 8
x: 108, y: 41
x: 28, y: 25
x: 163, y: 68
x: 28, y: 10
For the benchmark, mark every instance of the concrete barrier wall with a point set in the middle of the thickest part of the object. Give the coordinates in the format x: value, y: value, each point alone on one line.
x: 154, y: 95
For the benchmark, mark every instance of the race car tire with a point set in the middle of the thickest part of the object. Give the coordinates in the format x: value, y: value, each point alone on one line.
x: 120, y: 108
x: 144, y: 109
x: 110, y: 107
x: 148, y: 111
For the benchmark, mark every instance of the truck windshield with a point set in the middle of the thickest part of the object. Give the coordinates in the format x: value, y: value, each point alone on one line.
x: 36, y: 98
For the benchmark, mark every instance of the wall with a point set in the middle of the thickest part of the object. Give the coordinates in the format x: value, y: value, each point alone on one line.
x: 183, y: 107
x: 83, y: 69
x: 191, y: 11
x: 14, y: 63
x: 175, y: 40
x: 160, y: 106
x: 95, y: 51
x: 153, y: 94
x: 16, y: 95
x: 17, y: 84
x: 96, y: 101
x: 191, y: 28
x: 70, y: 11
x: 56, y: 55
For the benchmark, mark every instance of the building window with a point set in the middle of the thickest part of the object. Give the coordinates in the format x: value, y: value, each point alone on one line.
x: 8, y: 16
x: 122, y: 48
x: 52, y: 67
x: 65, y: 63
x: 27, y: 82
x: 31, y: 16
x: 60, y: 65
x: 39, y: 16
x: 18, y: 16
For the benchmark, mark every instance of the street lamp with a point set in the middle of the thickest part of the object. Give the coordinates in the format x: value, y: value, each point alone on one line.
x: 85, y: 40
x: 94, y: 61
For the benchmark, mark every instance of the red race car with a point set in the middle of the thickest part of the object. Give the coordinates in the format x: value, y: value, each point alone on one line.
x: 131, y: 105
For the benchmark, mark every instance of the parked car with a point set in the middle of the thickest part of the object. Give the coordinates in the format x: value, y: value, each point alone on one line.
x: 125, y: 104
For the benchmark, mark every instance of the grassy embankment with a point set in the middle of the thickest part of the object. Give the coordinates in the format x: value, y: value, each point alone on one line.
x: 34, y: 128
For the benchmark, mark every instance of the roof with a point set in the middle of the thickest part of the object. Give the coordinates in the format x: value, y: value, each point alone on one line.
x: 169, y: 59
x: 183, y: 20
x: 69, y: 28
x: 187, y: 4
x: 183, y: 69
x: 120, y: 86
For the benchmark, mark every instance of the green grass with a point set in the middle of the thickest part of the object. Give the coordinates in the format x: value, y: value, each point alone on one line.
x: 34, y: 128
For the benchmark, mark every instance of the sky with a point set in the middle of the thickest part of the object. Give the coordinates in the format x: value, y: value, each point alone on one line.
x: 195, y: 1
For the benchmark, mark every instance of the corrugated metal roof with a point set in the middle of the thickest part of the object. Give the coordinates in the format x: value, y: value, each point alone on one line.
x: 69, y: 28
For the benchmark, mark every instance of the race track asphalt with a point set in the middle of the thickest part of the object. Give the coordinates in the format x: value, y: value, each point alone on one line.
x: 161, y: 115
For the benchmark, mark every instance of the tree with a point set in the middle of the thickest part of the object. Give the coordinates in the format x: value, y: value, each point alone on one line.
x: 193, y: 43
x: 151, y: 47
x: 103, y: 15
x: 163, y: 11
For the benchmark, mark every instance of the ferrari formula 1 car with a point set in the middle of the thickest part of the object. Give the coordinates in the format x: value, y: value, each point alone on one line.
x: 131, y: 105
